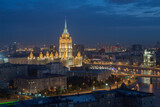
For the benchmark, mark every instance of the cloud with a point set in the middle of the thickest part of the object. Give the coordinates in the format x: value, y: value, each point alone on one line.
x: 122, y: 1
x: 132, y: 10
x: 17, y: 4
x: 136, y: 8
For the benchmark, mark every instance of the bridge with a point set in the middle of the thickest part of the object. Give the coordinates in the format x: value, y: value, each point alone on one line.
x: 127, y: 68
x: 136, y: 75
x: 123, y: 66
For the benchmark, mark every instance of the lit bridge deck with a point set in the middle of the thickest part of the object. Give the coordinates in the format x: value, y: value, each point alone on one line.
x: 126, y: 66
x: 137, y: 75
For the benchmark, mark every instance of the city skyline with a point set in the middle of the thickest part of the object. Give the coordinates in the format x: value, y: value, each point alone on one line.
x: 37, y: 22
x: 80, y: 53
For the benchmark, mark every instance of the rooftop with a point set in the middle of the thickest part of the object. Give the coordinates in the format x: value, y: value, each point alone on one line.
x: 133, y: 93
x: 44, y: 76
x: 91, y: 71
x: 81, y: 98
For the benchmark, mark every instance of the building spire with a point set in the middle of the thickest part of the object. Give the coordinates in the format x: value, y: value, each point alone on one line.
x: 65, y: 27
x: 65, y: 23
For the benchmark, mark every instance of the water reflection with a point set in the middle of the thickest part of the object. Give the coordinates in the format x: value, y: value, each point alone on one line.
x: 147, y: 84
x: 137, y: 87
x: 151, y: 86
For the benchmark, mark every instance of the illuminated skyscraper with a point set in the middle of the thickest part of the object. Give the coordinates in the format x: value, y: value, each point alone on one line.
x: 65, y: 44
x: 65, y: 54
x: 65, y: 48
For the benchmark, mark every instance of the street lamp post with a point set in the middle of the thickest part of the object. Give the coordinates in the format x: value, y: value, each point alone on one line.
x: 106, y: 85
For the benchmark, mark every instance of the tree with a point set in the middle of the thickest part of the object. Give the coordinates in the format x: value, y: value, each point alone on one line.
x: 129, y: 81
x: 58, y: 90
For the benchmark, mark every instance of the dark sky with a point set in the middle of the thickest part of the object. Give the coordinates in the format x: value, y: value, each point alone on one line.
x: 35, y: 22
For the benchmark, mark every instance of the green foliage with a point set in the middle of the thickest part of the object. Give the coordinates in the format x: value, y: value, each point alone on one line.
x: 112, y: 79
x: 58, y: 91
x: 77, y: 84
x: 82, y: 83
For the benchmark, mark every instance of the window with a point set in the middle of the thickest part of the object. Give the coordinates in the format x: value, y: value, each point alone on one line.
x: 109, y: 102
x: 108, y: 95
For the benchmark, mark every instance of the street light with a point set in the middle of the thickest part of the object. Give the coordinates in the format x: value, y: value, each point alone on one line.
x: 93, y: 88
x: 116, y: 83
x: 106, y: 85
x: 18, y: 97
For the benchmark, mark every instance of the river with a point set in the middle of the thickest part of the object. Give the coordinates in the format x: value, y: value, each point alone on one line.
x: 145, y: 85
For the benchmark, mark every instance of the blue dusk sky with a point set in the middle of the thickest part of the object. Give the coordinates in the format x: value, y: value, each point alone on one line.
x: 36, y: 22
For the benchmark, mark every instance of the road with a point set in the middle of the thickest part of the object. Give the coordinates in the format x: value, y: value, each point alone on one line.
x: 108, y: 88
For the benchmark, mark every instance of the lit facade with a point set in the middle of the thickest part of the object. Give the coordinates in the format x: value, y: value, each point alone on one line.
x: 78, y: 60
x: 65, y: 48
x: 31, y: 56
x: 65, y: 54
x: 149, y: 58
x: 65, y: 44
x: 37, y: 84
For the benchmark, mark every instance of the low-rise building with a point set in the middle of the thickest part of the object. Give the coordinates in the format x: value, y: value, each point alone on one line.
x: 37, y: 84
x: 10, y: 71
x: 100, y: 75
x: 57, y: 68
x: 4, y: 84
